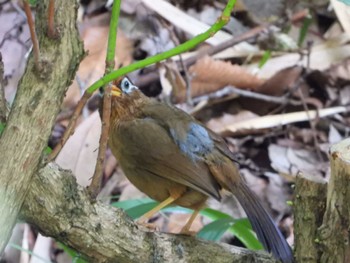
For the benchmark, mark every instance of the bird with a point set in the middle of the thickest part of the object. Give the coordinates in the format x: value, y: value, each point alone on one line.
x: 174, y: 159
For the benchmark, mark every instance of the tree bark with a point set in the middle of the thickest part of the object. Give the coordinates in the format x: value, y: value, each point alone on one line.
x: 309, y: 206
x: 33, y: 113
x: 334, y: 232
x: 62, y: 209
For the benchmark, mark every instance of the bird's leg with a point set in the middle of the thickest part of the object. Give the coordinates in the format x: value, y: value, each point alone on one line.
x: 186, y: 228
x: 143, y: 219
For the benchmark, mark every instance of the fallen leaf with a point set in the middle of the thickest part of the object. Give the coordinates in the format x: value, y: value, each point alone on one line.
x: 80, y: 152
x: 221, y: 123
x: 291, y: 161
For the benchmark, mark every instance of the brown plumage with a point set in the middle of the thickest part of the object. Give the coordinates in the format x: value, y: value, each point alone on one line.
x: 174, y: 159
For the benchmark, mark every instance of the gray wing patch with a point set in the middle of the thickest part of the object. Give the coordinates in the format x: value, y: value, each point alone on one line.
x: 197, y: 142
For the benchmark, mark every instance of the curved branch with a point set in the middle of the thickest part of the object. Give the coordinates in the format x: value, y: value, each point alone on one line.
x: 34, y: 110
x: 62, y: 209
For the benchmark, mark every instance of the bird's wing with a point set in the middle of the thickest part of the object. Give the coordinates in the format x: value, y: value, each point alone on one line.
x: 152, y: 147
x: 189, y: 134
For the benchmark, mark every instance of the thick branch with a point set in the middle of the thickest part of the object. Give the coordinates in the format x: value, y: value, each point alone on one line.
x: 37, y: 103
x: 60, y: 208
x: 309, y: 206
x: 334, y: 232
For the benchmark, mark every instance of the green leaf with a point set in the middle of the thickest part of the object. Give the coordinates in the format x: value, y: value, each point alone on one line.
x: 243, y: 231
x: 127, y: 204
x: 241, y: 227
x: 266, y: 56
x: 29, y: 252
x: 213, y: 214
x: 76, y: 257
x: 47, y: 150
x: 32, y: 2
x: 215, y: 229
x: 304, y: 29
x: 140, y: 210
x: 136, y: 207
x: 2, y: 127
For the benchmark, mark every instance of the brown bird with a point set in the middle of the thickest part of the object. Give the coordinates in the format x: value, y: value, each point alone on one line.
x: 174, y: 159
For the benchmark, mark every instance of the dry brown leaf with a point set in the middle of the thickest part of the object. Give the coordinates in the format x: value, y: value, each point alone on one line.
x: 210, y: 75
x: 279, y: 83
x: 209, y: 70
x: 218, y: 124
x: 80, y: 152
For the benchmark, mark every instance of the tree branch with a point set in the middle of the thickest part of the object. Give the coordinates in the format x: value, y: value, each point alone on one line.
x: 33, y: 113
x: 62, y: 209
x: 334, y: 232
x: 3, y: 104
x: 309, y: 206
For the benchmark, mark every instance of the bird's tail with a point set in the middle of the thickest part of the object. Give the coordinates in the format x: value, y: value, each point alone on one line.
x: 266, y: 230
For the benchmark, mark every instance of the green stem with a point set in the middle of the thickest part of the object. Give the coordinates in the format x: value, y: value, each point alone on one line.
x: 112, y: 37
x: 220, y: 23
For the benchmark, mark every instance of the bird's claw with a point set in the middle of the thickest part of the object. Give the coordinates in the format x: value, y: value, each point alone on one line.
x: 150, y: 226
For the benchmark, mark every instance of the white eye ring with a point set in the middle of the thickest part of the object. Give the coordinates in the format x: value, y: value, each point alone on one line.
x: 127, y: 86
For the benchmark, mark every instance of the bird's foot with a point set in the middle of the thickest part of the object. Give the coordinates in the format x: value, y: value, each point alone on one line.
x: 187, y: 232
x: 150, y: 226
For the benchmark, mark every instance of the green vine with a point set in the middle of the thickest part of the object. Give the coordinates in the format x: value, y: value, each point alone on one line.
x: 112, y: 37
x: 220, y: 23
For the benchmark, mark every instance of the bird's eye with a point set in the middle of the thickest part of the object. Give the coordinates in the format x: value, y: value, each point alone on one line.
x: 126, y: 84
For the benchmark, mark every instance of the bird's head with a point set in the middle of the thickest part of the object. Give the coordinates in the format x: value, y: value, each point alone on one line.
x: 127, y: 99
x: 123, y: 87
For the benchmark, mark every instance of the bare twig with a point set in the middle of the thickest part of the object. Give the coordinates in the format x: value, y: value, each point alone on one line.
x: 70, y: 129
x: 246, y: 93
x: 3, y: 107
x: 182, y: 63
x: 312, y: 125
x: 95, y: 185
x: 33, y: 36
x: 306, y: 108
x: 52, y: 32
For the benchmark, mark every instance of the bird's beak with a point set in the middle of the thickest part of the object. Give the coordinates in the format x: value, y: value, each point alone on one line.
x: 116, y: 91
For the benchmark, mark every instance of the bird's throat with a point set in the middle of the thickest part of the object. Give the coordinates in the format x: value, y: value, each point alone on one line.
x: 127, y: 106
